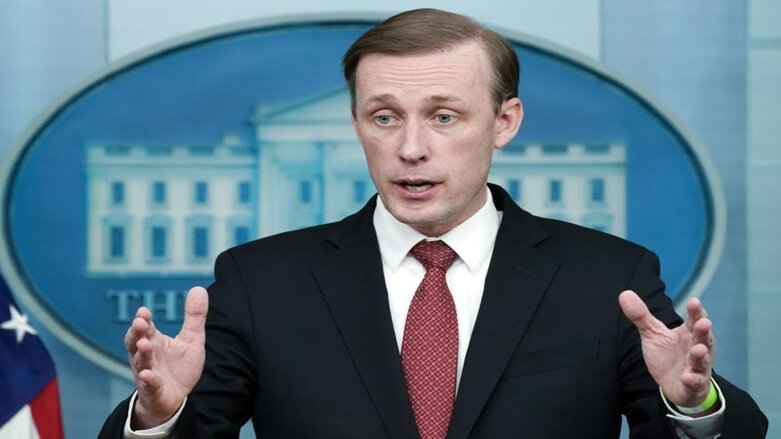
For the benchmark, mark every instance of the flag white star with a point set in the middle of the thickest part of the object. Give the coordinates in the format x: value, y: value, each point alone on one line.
x: 19, y: 324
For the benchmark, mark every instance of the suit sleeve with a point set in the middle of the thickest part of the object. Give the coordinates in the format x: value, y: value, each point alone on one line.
x: 640, y: 399
x: 222, y: 399
x: 114, y: 426
x: 639, y: 394
x: 743, y: 418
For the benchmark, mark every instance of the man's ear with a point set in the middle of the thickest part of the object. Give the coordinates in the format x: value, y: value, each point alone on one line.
x: 508, y: 121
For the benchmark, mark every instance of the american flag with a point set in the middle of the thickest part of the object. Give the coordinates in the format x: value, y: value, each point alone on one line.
x: 29, y: 400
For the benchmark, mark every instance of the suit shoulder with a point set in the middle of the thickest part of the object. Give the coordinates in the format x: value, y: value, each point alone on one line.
x: 613, y: 263
x: 582, y: 240
x: 308, y: 240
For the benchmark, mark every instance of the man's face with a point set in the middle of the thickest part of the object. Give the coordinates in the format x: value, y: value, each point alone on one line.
x: 428, y: 128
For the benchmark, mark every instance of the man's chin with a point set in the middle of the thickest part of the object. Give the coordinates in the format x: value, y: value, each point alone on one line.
x: 410, y: 213
x: 423, y: 222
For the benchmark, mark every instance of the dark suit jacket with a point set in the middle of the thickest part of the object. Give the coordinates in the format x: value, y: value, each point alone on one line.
x: 299, y: 338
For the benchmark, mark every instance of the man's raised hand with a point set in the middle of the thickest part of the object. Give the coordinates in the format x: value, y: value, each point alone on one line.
x: 679, y: 359
x: 166, y: 369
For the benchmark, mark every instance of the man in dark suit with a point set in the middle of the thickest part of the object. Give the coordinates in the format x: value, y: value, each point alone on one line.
x: 516, y: 329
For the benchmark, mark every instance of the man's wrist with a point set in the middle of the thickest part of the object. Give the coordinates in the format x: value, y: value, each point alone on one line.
x: 710, y: 402
x: 141, y: 418
x: 156, y: 432
x: 708, y: 424
x: 713, y: 406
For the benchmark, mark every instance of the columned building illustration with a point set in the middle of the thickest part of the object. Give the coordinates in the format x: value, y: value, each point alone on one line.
x: 583, y: 183
x: 168, y: 210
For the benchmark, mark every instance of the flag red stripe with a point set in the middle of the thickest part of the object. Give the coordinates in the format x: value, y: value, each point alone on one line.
x: 46, y: 412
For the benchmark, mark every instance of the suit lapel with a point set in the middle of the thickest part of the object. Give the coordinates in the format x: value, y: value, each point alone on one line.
x: 352, y: 282
x: 516, y: 281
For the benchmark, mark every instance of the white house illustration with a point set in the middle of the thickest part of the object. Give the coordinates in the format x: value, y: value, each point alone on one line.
x: 311, y: 166
x: 168, y: 210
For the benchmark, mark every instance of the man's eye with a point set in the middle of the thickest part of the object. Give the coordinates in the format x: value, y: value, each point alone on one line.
x: 444, y: 118
x: 383, y: 119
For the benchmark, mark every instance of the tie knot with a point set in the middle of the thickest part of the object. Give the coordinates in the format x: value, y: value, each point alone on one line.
x: 434, y: 254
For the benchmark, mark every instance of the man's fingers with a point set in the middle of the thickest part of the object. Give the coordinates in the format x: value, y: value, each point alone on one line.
x: 131, y: 337
x: 144, y: 313
x: 702, y: 333
x: 695, y: 381
x: 144, y: 357
x: 195, y: 309
x: 697, y: 376
x: 140, y: 327
x: 635, y: 310
x: 149, y: 380
x: 700, y: 358
x: 694, y: 312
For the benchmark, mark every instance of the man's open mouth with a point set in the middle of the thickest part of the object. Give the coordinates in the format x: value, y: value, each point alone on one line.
x: 417, y: 187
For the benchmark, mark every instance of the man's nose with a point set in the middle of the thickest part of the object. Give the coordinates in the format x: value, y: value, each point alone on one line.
x: 415, y: 144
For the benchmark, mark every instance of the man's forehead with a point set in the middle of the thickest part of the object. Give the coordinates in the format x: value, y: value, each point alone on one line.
x: 468, y: 50
x: 465, y: 62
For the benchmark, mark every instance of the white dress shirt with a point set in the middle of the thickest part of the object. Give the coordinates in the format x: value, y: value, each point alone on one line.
x: 473, y: 241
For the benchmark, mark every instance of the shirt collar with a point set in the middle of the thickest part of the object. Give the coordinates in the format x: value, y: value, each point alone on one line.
x: 473, y: 240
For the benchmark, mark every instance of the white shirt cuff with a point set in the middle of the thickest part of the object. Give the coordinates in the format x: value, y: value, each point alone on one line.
x: 706, y: 427
x: 159, y: 432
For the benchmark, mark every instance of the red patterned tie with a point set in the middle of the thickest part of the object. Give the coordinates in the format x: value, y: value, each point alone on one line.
x: 429, y: 351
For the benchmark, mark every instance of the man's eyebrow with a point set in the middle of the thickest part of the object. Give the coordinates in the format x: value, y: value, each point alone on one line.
x: 443, y: 98
x: 389, y: 98
x: 381, y: 99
